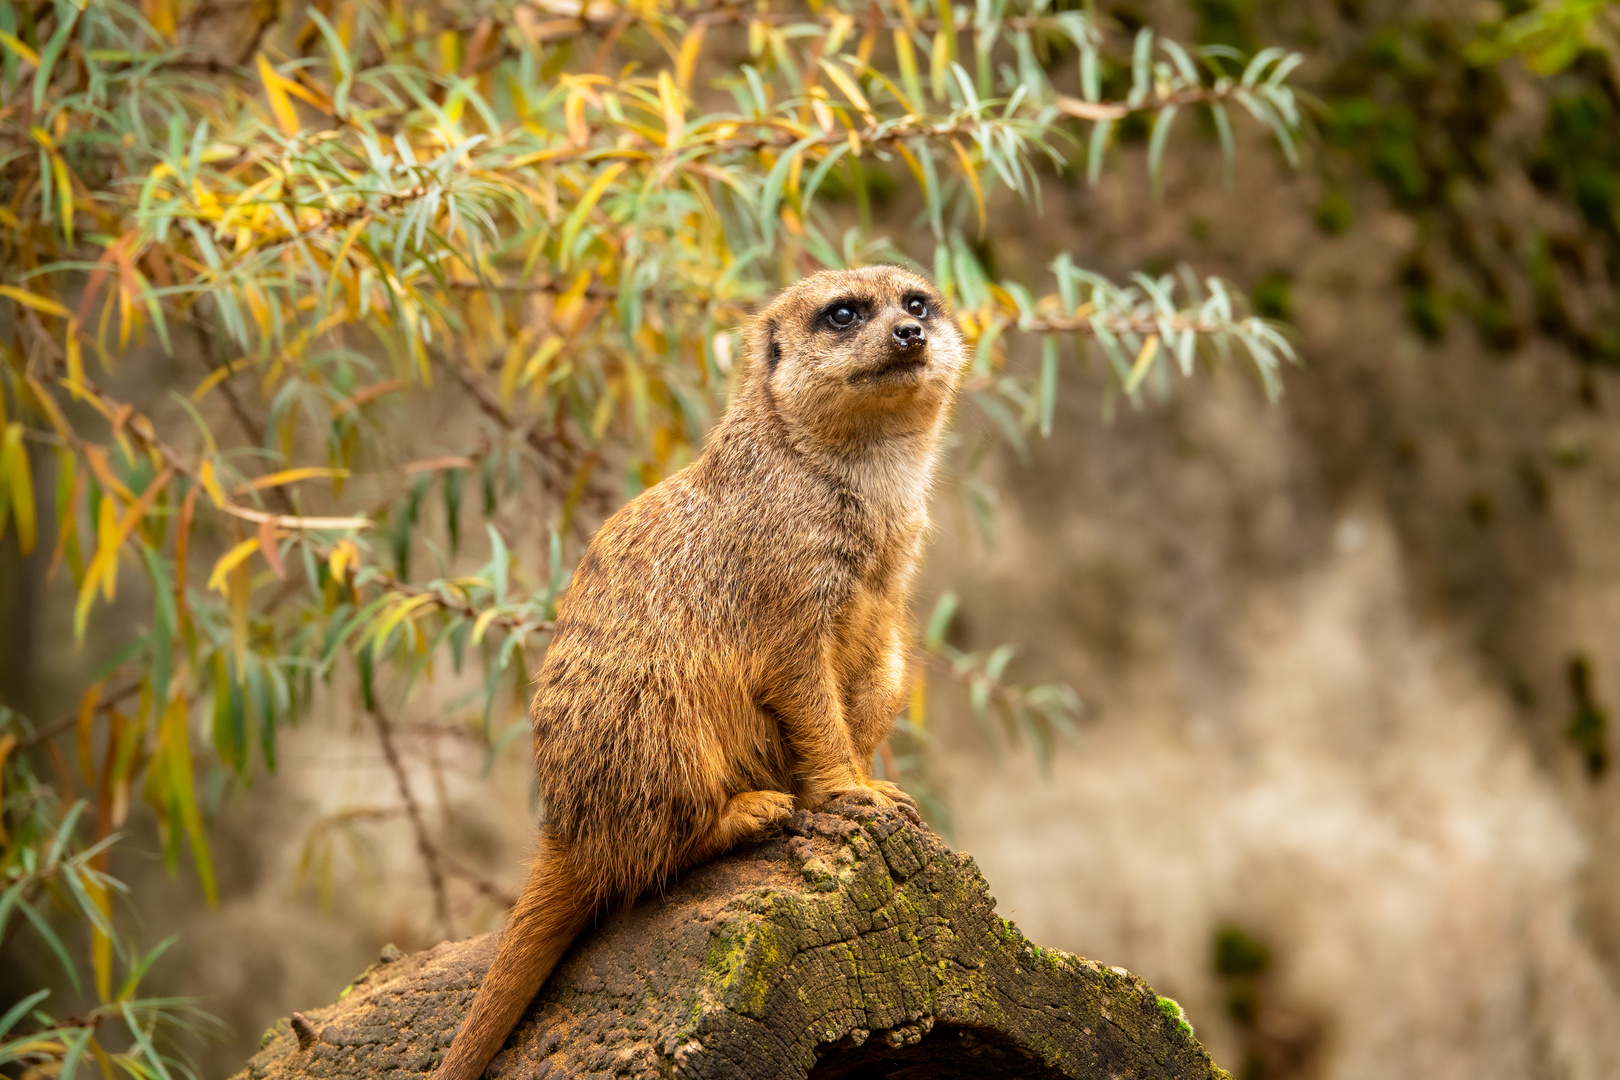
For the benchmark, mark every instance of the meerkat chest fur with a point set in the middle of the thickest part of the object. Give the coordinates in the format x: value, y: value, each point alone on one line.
x: 884, y: 509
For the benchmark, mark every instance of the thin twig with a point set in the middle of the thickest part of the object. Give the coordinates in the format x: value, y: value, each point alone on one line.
x: 70, y: 720
x: 432, y: 858
x: 492, y: 889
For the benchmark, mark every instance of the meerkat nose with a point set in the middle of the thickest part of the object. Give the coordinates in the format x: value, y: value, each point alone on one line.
x: 908, y: 335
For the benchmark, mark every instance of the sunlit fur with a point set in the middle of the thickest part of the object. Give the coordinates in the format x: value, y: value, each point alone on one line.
x: 735, y: 639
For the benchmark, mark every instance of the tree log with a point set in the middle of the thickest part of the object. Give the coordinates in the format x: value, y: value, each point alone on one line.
x: 852, y: 943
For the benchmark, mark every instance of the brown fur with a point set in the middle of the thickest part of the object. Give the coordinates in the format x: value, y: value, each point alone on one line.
x: 735, y: 639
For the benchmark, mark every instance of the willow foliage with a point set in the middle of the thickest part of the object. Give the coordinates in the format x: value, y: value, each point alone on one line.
x: 522, y: 239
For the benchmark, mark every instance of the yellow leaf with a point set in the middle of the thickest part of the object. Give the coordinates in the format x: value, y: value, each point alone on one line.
x: 912, y: 163
x: 161, y: 14
x: 1144, y: 361
x: 674, y: 109
x: 14, y: 463
x: 482, y: 625
x: 50, y: 1048
x: 280, y: 105
x: 304, y: 93
x: 210, y: 483
x: 352, y: 305
x: 344, y: 555
x: 907, y: 16
x: 449, y: 51
x: 579, y: 132
x: 543, y: 356
x: 107, y: 542
x: 563, y: 312
x: 64, y: 192
x: 511, y: 368
x: 75, y: 357
x: 906, y: 56
x: 576, y: 220
x: 36, y: 301
x: 213, y: 379
x: 919, y: 700
x: 47, y: 405
x: 111, y: 532
x: 229, y: 561
x: 105, y: 553
x: 292, y: 476
x: 850, y: 88
x: 940, y: 58
x: 840, y: 24
x: 686, y: 62
x: 19, y: 48
x: 386, y: 624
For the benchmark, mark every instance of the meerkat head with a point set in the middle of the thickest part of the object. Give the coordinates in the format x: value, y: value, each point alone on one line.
x: 847, y: 356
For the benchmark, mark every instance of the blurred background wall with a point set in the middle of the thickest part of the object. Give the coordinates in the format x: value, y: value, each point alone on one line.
x: 1330, y: 789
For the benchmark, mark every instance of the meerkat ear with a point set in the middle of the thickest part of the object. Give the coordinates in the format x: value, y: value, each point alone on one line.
x: 773, y: 350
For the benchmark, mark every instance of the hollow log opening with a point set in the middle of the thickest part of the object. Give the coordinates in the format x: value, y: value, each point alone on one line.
x: 945, y: 1053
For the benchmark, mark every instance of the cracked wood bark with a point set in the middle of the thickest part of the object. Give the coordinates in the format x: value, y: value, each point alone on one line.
x: 851, y: 944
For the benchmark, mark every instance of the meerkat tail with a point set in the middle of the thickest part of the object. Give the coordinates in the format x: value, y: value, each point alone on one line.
x: 552, y: 911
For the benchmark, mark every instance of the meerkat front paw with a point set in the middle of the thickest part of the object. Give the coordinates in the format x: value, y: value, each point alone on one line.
x: 894, y: 793
x: 879, y: 793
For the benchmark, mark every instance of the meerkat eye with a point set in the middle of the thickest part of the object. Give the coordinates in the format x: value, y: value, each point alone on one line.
x: 842, y: 315
x: 916, y: 308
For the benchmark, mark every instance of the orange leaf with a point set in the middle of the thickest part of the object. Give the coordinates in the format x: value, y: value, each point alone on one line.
x: 7, y: 744
x: 87, y: 716
x: 973, y: 178
x: 272, y: 550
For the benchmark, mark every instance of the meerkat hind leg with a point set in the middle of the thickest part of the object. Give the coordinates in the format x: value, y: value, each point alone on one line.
x: 744, y: 817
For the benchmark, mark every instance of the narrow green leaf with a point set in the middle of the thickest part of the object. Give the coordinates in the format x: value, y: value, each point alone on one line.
x: 47, y: 935
x: 368, y: 692
x: 940, y: 620
x: 498, y: 559
x: 1161, y: 131
x: 21, y: 1009
x: 1048, y: 389
x: 69, y: 19
x: 453, y: 483
x: 1096, y: 149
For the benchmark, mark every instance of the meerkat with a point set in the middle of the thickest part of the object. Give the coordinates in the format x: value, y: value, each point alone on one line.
x: 735, y: 640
